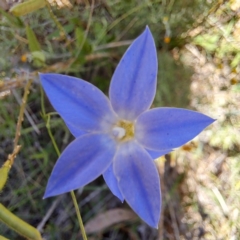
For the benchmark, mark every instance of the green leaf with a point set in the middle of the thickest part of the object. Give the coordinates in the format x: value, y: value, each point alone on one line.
x: 37, y: 54
x: 26, y: 7
x: 32, y: 40
x: 207, y: 41
x: 18, y: 225
x: 3, y: 238
x: 15, y: 21
x: 38, y: 58
x: 86, y: 48
x: 236, y: 60
x: 79, y: 35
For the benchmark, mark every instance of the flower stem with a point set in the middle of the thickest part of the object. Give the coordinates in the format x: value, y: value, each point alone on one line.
x: 47, y: 119
x: 79, y: 216
x: 51, y: 135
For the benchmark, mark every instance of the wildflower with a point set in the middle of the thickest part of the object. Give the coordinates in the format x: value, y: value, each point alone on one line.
x: 119, y: 137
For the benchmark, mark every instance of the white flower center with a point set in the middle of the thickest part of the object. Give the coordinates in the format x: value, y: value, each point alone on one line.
x: 118, y: 132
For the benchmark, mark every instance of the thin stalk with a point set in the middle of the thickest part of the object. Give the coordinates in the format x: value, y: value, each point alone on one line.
x: 72, y: 192
x: 79, y: 215
x: 51, y: 136
x: 63, y: 33
x: 20, y: 118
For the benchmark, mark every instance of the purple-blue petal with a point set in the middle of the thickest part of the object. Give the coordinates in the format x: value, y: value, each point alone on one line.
x: 133, y: 84
x: 112, y: 182
x: 78, y: 102
x: 168, y: 128
x: 75, y: 130
x: 139, y: 181
x: 157, y: 154
x: 85, y: 159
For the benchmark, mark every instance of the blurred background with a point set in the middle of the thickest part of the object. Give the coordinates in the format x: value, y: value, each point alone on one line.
x: 198, y: 45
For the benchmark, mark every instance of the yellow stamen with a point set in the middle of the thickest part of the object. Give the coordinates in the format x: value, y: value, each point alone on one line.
x: 123, y: 130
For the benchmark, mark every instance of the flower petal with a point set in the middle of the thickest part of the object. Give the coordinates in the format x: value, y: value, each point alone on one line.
x: 139, y: 181
x: 75, y: 131
x: 157, y: 154
x: 78, y: 102
x: 112, y: 182
x: 86, y: 158
x: 168, y: 128
x: 133, y: 84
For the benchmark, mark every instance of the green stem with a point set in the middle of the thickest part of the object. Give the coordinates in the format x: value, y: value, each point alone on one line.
x: 79, y: 215
x: 51, y: 136
x: 58, y: 24
x: 72, y: 193
x: 18, y: 225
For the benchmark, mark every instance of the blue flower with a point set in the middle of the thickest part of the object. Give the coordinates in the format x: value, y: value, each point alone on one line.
x: 119, y: 137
